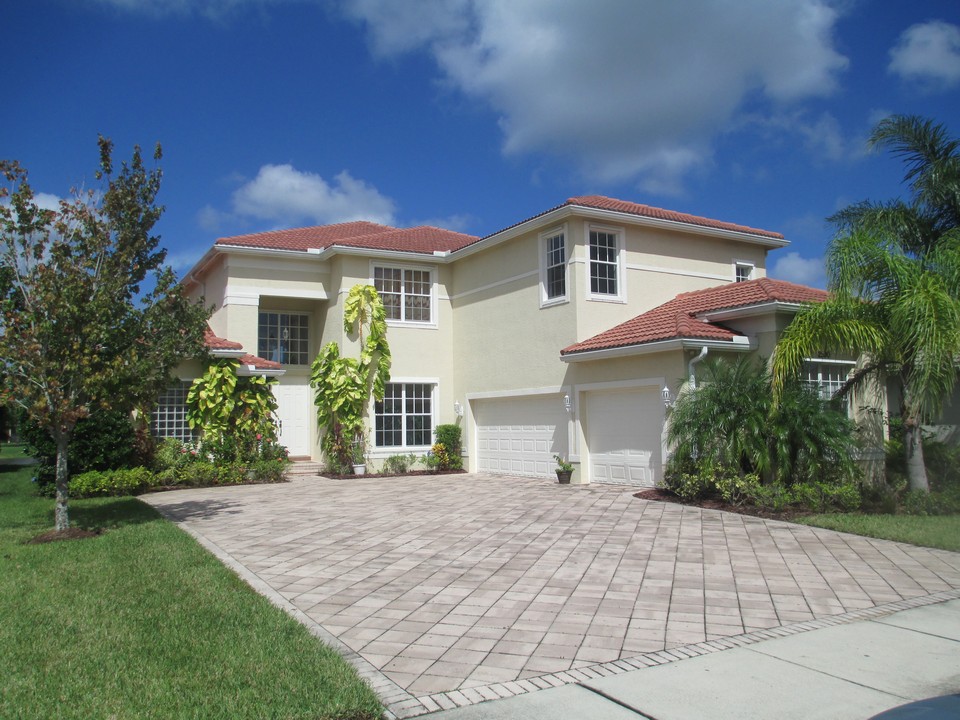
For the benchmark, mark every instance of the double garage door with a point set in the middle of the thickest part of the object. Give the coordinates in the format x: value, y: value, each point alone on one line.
x: 520, y: 436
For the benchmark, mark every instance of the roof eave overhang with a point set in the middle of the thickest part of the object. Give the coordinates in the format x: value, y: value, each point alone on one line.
x: 564, y: 211
x: 250, y: 370
x: 437, y: 256
x: 738, y: 344
x: 765, y: 308
x: 225, y: 354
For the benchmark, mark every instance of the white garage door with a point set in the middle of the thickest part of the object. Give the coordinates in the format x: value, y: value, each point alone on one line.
x: 294, y: 406
x: 623, y: 436
x: 520, y: 436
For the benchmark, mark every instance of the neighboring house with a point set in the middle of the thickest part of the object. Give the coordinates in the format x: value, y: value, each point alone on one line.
x: 555, y: 336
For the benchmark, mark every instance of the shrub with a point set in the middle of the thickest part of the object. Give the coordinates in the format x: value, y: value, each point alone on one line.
x: 105, y: 440
x: 774, y: 497
x: 821, y: 496
x: 737, y: 489
x: 399, y: 464
x: 234, y: 473
x: 448, y: 437
x: 917, y: 502
x: 199, y: 473
x: 96, y: 483
x: 691, y: 483
x: 267, y: 471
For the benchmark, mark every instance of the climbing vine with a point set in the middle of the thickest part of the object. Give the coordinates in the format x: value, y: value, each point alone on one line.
x: 343, y: 386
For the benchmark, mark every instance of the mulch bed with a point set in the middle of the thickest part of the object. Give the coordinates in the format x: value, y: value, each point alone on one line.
x: 411, y: 473
x: 68, y: 534
x: 718, y: 504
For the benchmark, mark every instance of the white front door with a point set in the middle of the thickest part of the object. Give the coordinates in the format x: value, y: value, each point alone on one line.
x: 293, y: 409
x: 520, y: 436
x: 623, y: 436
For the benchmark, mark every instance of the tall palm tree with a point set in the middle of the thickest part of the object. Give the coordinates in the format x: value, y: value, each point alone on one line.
x: 894, y: 274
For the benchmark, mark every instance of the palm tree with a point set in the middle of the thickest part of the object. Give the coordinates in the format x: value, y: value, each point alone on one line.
x: 894, y: 275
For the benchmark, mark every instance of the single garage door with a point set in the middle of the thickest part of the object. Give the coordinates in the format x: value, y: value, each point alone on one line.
x: 520, y: 436
x: 623, y: 436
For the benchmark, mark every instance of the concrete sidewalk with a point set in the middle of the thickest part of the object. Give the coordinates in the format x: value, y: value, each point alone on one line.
x: 842, y: 672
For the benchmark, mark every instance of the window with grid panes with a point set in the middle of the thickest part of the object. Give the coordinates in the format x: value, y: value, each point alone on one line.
x: 405, y: 292
x: 284, y: 337
x: 169, y: 418
x: 603, y: 263
x: 744, y: 272
x: 826, y: 377
x: 404, y: 418
x: 556, y: 280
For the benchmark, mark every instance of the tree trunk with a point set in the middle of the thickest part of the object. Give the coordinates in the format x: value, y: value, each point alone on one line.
x: 61, y: 514
x: 913, y: 446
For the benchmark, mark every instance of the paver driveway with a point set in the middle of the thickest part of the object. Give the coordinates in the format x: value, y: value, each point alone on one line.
x: 457, y: 583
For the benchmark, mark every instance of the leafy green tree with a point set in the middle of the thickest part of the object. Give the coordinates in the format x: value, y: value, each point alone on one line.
x: 731, y: 423
x: 894, y: 275
x: 91, y: 316
x: 343, y: 385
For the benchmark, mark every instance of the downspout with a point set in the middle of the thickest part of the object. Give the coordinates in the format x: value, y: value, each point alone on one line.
x: 693, y: 378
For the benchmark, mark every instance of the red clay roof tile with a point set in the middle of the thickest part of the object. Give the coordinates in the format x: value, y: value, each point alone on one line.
x: 215, y: 342
x: 678, y: 318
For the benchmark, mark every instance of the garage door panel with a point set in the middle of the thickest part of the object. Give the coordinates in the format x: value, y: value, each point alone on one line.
x: 624, y: 431
x: 520, y: 436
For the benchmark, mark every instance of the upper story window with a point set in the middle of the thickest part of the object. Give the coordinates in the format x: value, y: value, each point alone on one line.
x: 553, y: 267
x: 605, y: 264
x: 406, y: 293
x: 284, y: 337
x: 404, y: 418
x: 743, y: 272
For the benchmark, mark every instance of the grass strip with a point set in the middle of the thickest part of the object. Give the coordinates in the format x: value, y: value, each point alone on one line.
x: 141, y: 622
x: 935, y: 531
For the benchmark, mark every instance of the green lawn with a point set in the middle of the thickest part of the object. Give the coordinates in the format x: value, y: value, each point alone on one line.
x: 141, y: 622
x: 941, y: 531
x: 10, y: 452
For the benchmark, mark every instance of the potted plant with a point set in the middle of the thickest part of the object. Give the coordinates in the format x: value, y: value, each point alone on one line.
x: 358, y: 456
x: 564, y: 470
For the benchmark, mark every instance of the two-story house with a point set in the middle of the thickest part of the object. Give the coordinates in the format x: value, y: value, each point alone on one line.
x: 559, y: 335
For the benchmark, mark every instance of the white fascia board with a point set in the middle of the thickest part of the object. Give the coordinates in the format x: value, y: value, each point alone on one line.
x: 192, y: 274
x: 406, y: 255
x: 227, y: 354
x: 275, y: 252
x: 750, y: 310
x: 251, y: 370
x: 738, y: 344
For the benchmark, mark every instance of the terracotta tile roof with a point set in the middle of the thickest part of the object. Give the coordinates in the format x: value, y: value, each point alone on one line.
x: 259, y: 363
x: 600, y: 202
x: 215, y: 342
x: 361, y: 234
x: 677, y: 318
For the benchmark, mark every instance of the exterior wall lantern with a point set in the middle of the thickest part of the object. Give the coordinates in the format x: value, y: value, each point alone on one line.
x: 567, y: 404
x: 458, y: 409
x: 668, y: 398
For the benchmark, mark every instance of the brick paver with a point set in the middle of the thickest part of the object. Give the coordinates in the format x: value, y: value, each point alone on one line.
x: 461, y: 586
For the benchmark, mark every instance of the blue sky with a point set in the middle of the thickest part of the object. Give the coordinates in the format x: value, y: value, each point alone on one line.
x: 473, y: 115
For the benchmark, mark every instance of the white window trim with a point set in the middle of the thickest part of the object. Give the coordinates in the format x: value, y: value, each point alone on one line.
x: 434, y: 310
x: 542, y: 251
x: 380, y: 453
x: 744, y: 264
x: 621, y: 296
x: 310, y: 333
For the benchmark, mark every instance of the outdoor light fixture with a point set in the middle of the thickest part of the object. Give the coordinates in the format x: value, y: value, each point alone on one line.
x: 566, y: 403
x: 667, y: 396
x: 458, y: 409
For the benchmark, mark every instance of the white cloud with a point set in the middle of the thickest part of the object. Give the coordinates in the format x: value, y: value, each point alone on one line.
x: 929, y: 53
x: 806, y: 271
x: 633, y: 90
x: 289, y: 196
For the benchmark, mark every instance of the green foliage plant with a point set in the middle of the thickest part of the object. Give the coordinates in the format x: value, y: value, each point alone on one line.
x: 562, y: 464
x: 234, y: 415
x: 91, y: 316
x: 94, y: 483
x: 399, y: 464
x: 342, y: 385
x: 894, y: 274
